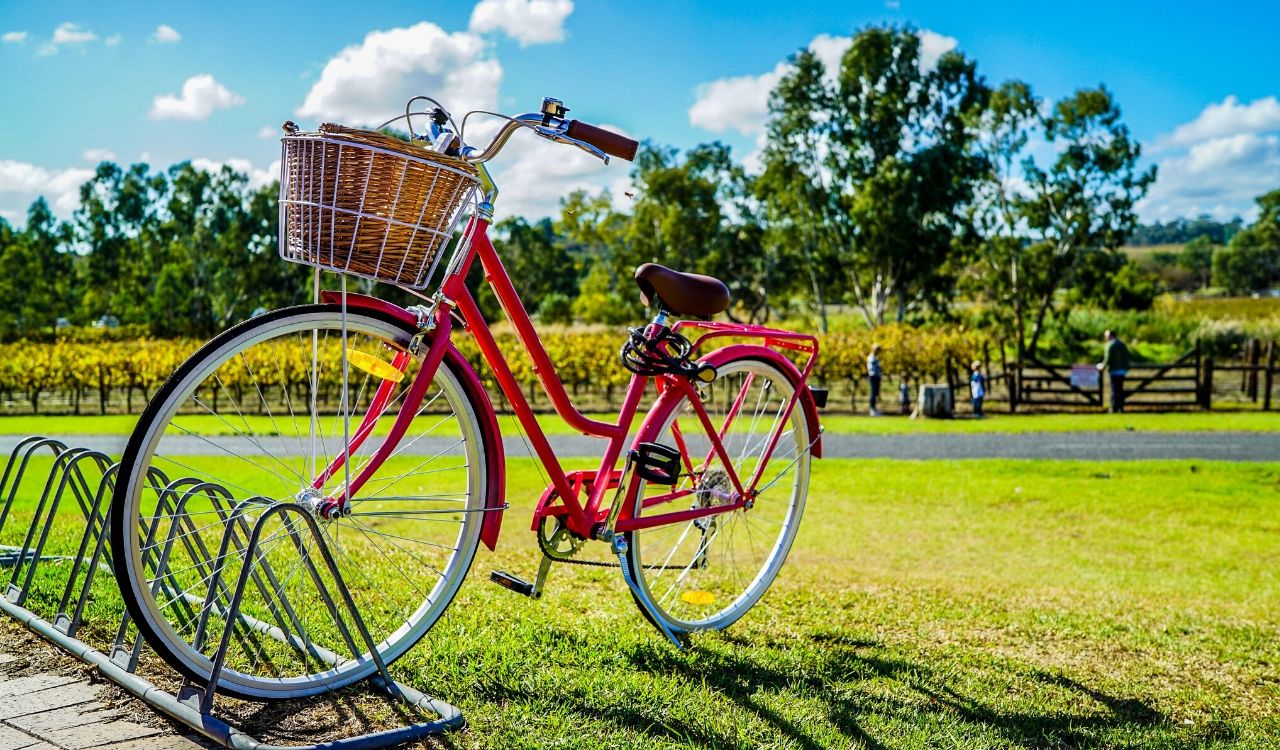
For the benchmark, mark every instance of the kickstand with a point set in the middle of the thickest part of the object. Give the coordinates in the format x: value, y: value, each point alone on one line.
x: 681, y: 641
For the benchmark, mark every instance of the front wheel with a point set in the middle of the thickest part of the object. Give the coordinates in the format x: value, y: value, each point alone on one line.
x: 258, y: 417
x: 706, y: 573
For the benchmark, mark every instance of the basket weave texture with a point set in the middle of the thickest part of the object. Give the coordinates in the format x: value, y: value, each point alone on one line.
x: 368, y: 204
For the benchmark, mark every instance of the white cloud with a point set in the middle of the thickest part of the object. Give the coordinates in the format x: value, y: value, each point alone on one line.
x: 257, y: 177
x: 1217, y: 163
x: 830, y: 51
x: 95, y: 155
x: 14, y: 37
x: 1219, y: 176
x: 1229, y: 117
x: 70, y: 33
x: 933, y: 46
x: 526, y: 21
x: 201, y: 95
x: 113, y: 40
x: 742, y: 103
x: 21, y: 183
x: 166, y: 34
x: 368, y: 83
x: 267, y: 131
x: 534, y: 174
x: 67, y: 33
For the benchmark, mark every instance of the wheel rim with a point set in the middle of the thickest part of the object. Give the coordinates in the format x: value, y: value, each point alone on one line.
x: 237, y: 420
x: 705, y: 574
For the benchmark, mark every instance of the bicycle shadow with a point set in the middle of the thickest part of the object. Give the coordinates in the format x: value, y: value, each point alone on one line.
x: 861, y: 687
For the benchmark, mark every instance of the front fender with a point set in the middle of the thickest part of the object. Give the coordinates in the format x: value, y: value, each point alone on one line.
x: 491, y: 437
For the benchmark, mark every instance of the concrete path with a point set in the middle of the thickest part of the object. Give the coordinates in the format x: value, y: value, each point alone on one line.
x: 1089, y: 446
x: 50, y: 712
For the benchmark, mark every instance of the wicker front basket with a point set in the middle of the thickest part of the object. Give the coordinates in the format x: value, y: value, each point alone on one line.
x: 367, y: 204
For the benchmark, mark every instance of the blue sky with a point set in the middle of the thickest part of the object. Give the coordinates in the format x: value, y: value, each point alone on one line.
x: 212, y: 82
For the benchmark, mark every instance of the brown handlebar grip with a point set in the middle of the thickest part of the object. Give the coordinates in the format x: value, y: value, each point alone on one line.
x: 609, y: 142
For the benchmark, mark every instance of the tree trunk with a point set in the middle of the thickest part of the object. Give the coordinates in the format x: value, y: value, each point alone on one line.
x: 1035, y: 333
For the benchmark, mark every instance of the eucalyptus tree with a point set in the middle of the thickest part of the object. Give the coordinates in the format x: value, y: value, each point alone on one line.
x: 1006, y: 272
x: 39, y: 272
x: 801, y: 215
x: 879, y: 161
x: 698, y: 213
x: 1084, y: 201
x: 1251, y: 261
x: 118, y: 211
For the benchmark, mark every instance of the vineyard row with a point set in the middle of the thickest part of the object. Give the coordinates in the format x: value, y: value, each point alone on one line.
x: 98, y: 377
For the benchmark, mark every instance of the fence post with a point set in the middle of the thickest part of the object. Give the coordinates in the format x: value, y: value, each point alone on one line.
x: 1269, y: 377
x: 1206, y: 387
x: 951, y: 382
x: 1255, y: 349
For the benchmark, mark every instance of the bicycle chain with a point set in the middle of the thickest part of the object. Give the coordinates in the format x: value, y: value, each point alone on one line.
x: 578, y: 544
x: 568, y: 558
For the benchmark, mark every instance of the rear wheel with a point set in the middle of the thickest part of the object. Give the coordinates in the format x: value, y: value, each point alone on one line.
x: 251, y: 421
x: 706, y: 573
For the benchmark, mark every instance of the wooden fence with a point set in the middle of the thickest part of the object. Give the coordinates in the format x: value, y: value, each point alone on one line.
x: 1190, y: 381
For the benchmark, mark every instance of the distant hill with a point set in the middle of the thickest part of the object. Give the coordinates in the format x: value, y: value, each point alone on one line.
x: 1181, y: 231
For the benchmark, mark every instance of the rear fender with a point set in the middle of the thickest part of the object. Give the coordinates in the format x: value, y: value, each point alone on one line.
x: 805, y: 403
x: 491, y: 437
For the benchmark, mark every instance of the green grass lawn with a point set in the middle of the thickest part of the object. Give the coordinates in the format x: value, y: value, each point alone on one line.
x: 966, y: 604
x: 120, y: 424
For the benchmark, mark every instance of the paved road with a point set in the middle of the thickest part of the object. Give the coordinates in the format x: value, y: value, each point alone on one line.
x: 1096, y: 446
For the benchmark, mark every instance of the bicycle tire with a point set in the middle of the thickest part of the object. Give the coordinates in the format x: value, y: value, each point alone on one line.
x: 717, y: 555
x: 260, y: 667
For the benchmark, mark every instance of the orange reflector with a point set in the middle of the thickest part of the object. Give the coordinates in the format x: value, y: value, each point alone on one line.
x: 374, y: 366
x: 698, y: 597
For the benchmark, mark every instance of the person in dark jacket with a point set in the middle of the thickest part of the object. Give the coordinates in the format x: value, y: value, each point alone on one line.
x: 1115, y: 360
x: 874, y: 374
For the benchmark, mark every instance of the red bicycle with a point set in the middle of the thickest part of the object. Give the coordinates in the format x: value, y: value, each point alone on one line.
x: 366, y: 414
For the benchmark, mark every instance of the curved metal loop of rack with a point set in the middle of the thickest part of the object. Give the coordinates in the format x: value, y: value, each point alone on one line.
x: 87, y: 477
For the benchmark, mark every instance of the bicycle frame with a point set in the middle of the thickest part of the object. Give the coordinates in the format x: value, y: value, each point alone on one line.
x: 584, y: 516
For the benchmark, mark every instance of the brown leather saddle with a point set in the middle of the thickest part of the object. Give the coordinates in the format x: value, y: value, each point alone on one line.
x: 681, y: 293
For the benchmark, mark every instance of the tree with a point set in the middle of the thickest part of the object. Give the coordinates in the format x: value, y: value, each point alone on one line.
x: 38, y: 275
x: 698, y: 214
x: 1084, y: 202
x: 1005, y: 271
x: 1251, y: 261
x: 118, y: 210
x: 539, y: 263
x: 1109, y: 280
x: 794, y: 188
x: 895, y: 147
x: 1197, y: 258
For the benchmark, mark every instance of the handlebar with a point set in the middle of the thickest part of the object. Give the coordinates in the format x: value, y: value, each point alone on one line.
x: 607, y: 141
x: 596, y: 141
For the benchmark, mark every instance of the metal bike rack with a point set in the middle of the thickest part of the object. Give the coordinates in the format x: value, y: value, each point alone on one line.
x: 87, y: 477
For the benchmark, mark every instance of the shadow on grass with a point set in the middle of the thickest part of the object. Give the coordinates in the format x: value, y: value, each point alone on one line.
x: 862, y: 686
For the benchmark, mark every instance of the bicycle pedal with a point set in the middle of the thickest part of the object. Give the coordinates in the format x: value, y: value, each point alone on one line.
x: 657, y: 463
x: 508, y: 581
